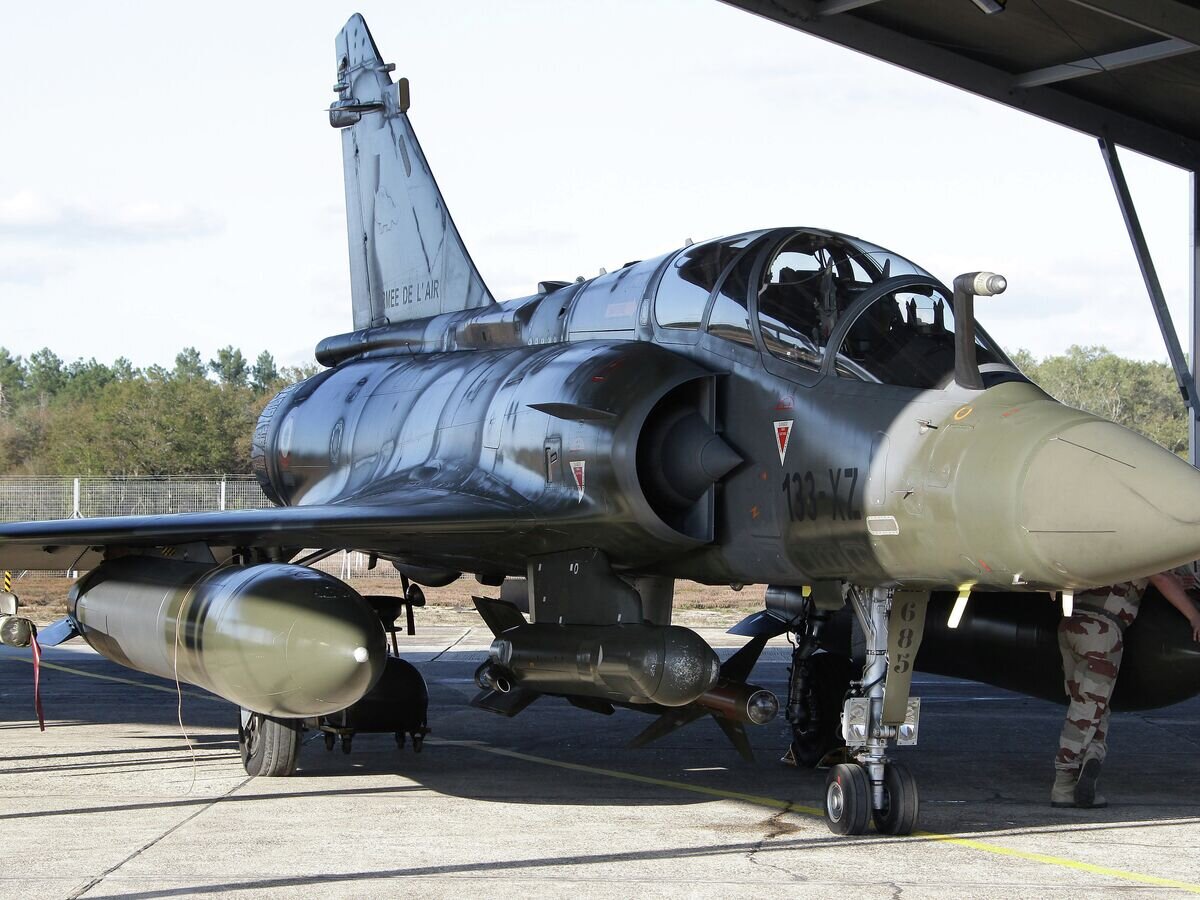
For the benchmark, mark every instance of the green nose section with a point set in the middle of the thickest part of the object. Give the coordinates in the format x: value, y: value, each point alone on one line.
x: 1100, y: 504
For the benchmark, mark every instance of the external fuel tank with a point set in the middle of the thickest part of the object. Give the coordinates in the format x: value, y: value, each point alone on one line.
x: 285, y: 641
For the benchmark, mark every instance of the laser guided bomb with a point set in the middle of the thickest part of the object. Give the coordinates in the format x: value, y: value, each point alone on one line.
x: 664, y: 670
x: 663, y: 665
x: 280, y: 640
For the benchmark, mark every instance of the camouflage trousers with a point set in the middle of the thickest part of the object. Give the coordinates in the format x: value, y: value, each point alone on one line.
x: 1091, y: 652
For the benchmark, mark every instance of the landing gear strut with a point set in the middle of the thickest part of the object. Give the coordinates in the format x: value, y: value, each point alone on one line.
x: 816, y: 689
x: 878, y: 712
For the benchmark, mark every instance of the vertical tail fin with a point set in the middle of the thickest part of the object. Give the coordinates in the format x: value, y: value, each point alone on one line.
x: 407, y: 260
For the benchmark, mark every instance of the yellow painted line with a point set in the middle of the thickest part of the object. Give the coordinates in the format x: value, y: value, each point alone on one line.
x: 640, y: 779
x: 773, y: 803
x: 757, y: 800
x: 1075, y: 864
x: 113, y: 678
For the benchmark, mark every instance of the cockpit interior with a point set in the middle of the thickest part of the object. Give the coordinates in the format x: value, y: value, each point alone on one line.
x: 793, y: 294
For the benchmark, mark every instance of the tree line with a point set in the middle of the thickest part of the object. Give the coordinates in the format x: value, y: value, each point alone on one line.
x: 88, y: 418
x: 1142, y: 396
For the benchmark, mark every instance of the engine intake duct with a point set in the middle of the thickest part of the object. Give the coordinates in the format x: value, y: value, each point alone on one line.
x: 680, y: 456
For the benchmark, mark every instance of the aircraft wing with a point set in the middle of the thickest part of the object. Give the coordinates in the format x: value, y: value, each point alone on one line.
x: 416, y: 518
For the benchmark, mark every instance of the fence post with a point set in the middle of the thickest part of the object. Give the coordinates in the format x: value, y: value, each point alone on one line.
x: 222, y: 502
x: 75, y: 513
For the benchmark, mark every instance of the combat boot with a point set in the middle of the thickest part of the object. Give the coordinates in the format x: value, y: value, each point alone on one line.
x: 1063, y: 792
x: 1086, y: 796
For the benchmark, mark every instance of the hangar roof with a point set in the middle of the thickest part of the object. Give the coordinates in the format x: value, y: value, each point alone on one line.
x: 1126, y: 68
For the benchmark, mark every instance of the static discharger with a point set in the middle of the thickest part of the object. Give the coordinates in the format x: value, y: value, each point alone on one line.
x: 960, y: 606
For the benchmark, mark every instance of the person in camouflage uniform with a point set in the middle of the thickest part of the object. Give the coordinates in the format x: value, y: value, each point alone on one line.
x: 1092, y: 642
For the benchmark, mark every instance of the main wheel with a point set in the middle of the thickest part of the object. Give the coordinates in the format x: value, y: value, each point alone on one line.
x: 269, y: 746
x: 900, y: 801
x: 847, y: 799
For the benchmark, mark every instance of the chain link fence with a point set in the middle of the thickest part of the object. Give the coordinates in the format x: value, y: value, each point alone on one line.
x: 30, y: 499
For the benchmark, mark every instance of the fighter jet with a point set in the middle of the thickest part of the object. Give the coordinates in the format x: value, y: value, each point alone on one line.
x: 792, y: 407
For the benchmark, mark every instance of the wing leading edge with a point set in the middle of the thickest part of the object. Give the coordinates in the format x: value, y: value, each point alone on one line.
x: 417, y: 519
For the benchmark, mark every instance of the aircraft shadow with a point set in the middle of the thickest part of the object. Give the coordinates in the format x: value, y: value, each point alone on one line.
x: 984, y: 764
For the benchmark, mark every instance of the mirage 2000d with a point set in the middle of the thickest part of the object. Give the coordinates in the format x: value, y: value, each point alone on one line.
x: 790, y: 407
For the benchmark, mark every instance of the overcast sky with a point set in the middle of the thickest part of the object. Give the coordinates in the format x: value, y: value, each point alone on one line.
x: 170, y: 177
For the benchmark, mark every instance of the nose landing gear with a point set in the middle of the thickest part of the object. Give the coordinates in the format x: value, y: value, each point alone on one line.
x: 852, y: 728
x: 874, y: 786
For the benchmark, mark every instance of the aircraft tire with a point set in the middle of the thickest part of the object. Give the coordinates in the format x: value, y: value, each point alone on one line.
x: 269, y: 747
x: 847, y: 799
x: 901, y: 801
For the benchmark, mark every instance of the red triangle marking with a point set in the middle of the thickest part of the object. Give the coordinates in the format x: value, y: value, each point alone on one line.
x: 783, y: 436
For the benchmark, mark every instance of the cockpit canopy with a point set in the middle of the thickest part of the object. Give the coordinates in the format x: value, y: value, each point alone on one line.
x: 792, y: 294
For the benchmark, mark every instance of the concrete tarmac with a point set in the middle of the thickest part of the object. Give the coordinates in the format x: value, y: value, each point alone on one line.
x: 109, y: 801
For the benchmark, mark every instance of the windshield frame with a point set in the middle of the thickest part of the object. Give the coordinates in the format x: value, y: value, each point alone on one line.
x: 830, y: 362
x: 858, y: 252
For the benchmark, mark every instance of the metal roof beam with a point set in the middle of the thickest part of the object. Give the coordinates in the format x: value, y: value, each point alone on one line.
x: 1106, y: 62
x: 1183, y: 375
x: 1170, y: 18
x: 833, y: 7
x: 963, y: 71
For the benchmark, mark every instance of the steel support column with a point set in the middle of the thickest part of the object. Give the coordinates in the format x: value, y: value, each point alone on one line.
x: 1179, y: 363
x: 1193, y: 420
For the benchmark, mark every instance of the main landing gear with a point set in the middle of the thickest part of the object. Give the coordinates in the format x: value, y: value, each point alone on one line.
x: 878, y: 711
x: 817, y: 684
x: 269, y: 746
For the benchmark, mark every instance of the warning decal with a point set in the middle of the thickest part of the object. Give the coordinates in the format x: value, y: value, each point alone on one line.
x: 783, y: 434
x: 578, y: 470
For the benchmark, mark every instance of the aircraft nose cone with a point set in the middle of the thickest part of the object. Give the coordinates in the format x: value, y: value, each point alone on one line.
x: 1101, y: 504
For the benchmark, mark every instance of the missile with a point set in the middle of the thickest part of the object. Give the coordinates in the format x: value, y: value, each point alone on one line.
x: 282, y: 640
x: 731, y: 702
x: 740, y: 702
x: 665, y: 665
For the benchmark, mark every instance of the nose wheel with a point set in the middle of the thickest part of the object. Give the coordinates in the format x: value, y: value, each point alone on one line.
x: 847, y: 799
x: 898, y: 814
